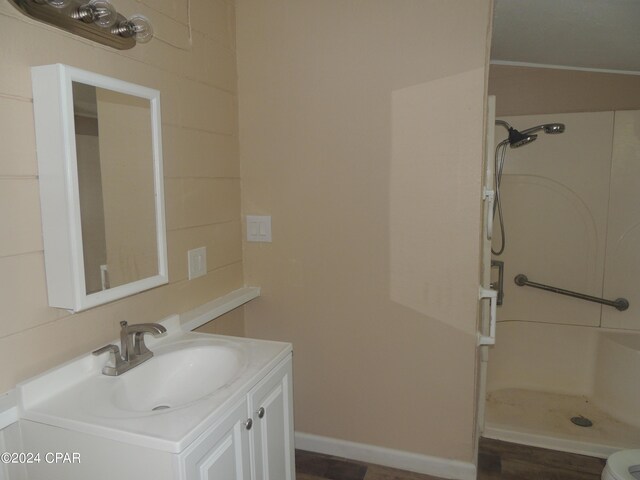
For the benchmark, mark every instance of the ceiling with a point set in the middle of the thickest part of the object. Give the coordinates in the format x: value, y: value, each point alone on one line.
x: 592, y: 34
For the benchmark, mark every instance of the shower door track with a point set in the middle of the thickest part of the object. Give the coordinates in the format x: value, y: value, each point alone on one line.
x: 620, y: 304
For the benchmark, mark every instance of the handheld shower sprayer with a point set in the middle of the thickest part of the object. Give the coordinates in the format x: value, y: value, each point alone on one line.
x: 515, y: 139
x: 551, y: 128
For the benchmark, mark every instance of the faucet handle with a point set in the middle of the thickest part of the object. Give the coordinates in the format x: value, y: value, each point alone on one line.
x: 117, y: 359
x: 107, y: 348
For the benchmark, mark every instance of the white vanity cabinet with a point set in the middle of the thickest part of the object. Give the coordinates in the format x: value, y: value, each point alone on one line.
x: 253, y: 442
x: 243, y: 430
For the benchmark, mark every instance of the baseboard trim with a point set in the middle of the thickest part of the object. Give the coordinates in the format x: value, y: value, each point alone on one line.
x: 414, y: 462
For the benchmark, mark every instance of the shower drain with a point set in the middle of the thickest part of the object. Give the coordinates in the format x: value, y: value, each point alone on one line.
x: 581, y: 421
x: 164, y: 407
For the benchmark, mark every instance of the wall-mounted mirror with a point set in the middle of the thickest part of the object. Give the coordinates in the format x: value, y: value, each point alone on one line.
x: 101, y: 189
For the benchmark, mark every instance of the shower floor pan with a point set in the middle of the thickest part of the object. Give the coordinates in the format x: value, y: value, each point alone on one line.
x: 543, y: 419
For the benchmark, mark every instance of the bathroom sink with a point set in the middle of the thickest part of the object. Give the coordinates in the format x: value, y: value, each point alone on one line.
x: 165, y: 402
x: 176, y: 376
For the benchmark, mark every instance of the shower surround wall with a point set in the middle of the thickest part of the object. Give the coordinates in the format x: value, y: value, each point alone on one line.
x: 571, y: 209
x: 192, y: 62
x: 571, y: 355
x: 555, y: 201
x: 557, y: 357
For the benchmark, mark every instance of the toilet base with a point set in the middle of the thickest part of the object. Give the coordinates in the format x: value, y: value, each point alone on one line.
x: 623, y: 465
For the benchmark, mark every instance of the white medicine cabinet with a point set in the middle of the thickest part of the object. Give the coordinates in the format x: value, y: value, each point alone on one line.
x: 99, y: 148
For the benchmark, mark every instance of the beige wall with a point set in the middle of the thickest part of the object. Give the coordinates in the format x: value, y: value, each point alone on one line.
x: 531, y: 91
x: 231, y: 323
x: 361, y: 134
x: 193, y: 65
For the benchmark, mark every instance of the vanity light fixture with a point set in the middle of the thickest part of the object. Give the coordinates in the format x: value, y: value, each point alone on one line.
x: 97, y: 20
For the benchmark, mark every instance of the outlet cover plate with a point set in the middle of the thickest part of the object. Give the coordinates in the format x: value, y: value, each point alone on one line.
x: 197, y: 261
x: 258, y: 228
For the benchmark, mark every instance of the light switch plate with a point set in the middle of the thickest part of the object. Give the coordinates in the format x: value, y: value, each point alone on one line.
x: 197, y: 260
x: 258, y: 228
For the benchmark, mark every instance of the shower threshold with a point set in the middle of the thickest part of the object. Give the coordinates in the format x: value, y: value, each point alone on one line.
x: 543, y: 419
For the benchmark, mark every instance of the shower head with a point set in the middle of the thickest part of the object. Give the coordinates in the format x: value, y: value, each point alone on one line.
x: 552, y: 128
x: 518, y: 139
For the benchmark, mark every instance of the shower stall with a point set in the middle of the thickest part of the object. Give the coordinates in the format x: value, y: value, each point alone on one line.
x: 565, y: 370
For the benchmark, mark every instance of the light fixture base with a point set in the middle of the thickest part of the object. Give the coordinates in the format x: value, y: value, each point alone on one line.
x: 62, y: 18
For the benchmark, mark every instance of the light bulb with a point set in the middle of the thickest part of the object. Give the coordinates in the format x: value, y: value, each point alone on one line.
x: 105, y: 14
x: 142, y: 28
x: 100, y: 12
x: 137, y: 26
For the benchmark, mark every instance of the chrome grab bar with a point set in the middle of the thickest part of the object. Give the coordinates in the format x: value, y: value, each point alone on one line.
x: 619, y: 303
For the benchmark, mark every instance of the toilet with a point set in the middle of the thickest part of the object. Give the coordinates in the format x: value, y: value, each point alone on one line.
x: 623, y: 465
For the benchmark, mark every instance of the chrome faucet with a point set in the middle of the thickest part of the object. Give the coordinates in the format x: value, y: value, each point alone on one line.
x: 132, y: 351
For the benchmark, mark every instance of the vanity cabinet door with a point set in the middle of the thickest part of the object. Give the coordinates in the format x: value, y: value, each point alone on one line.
x: 224, y: 453
x: 271, y: 407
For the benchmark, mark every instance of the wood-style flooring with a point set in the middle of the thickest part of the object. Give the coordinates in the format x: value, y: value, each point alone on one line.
x: 509, y: 461
x: 497, y: 461
x: 315, y: 466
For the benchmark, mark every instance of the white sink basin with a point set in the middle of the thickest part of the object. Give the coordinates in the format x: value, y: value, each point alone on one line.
x: 176, y: 376
x: 179, y: 374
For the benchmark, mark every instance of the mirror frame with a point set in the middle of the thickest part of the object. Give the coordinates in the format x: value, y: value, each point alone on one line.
x: 59, y: 191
